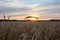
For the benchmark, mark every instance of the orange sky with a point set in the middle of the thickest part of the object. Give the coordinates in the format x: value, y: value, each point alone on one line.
x: 22, y: 18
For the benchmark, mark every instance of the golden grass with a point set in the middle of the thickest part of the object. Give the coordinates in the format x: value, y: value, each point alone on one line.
x: 29, y: 30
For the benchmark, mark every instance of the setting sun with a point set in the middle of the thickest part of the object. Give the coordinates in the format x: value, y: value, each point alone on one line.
x: 32, y: 18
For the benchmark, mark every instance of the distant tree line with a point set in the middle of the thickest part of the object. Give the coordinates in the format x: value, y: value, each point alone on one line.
x: 54, y: 20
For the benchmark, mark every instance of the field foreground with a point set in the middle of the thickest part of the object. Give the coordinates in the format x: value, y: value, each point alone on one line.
x: 18, y: 30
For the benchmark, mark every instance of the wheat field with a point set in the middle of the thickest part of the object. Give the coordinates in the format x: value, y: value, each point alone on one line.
x: 15, y: 30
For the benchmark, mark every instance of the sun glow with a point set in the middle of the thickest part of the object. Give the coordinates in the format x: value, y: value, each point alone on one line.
x: 33, y: 19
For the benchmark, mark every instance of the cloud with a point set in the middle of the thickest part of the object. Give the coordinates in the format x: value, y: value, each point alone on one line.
x: 41, y: 8
x: 32, y: 10
x: 11, y: 10
x: 22, y: 3
x: 46, y: 11
x: 50, y: 9
x: 11, y: 3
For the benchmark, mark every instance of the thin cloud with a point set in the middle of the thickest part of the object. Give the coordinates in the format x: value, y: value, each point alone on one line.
x: 30, y: 7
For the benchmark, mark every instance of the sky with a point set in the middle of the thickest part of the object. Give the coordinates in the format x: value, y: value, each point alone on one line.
x: 19, y: 9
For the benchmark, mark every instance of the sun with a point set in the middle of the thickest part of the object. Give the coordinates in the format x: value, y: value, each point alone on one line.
x: 32, y: 18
